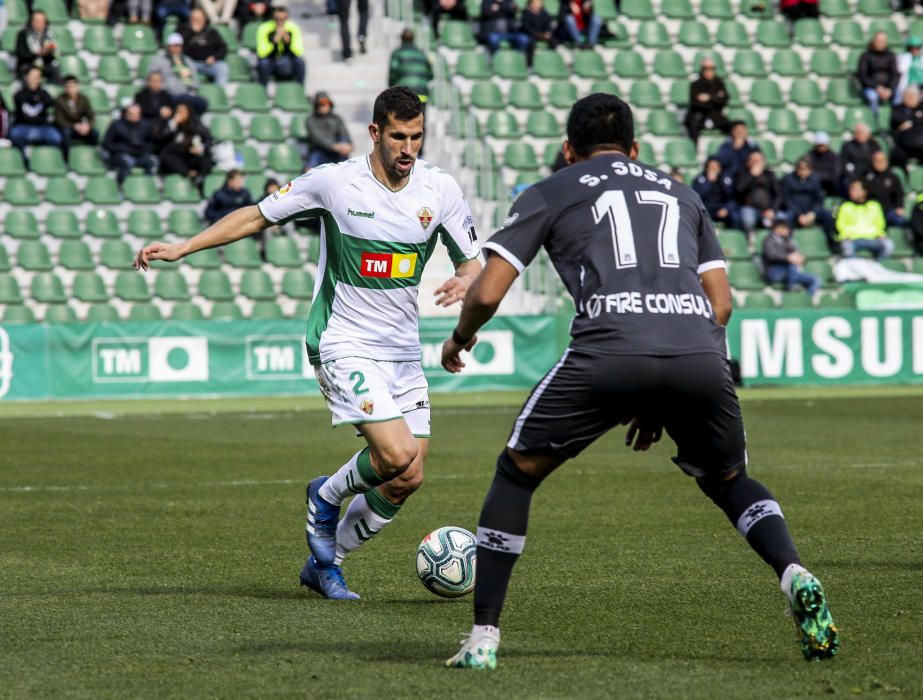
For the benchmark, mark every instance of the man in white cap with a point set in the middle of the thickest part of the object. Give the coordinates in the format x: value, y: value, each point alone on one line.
x: 825, y: 163
x: 179, y: 74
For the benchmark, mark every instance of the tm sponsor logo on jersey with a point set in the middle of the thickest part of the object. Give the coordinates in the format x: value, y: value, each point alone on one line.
x: 621, y: 168
x: 636, y: 303
x: 393, y: 265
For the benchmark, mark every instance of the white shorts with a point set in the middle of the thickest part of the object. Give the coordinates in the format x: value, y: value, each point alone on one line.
x: 359, y: 390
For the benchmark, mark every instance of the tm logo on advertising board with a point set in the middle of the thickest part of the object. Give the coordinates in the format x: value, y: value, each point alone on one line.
x: 170, y: 359
x: 276, y: 357
x: 493, y: 354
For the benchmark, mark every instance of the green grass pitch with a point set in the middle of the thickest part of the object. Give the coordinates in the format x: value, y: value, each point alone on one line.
x: 152, y: 549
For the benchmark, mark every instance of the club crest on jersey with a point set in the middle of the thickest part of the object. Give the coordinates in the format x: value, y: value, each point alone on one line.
x: 286, y: 188
x: 367, y: 406
x: 393, y: 265
x: 425, y: 215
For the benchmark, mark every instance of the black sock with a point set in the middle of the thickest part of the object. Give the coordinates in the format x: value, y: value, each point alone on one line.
x: 501, y: 537
x: 753, y: 510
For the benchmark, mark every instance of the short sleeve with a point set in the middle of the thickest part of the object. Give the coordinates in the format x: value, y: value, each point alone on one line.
x: 295, y: 199
x: 456, y: 228
x: 711, y: 256
x: 524, y: 231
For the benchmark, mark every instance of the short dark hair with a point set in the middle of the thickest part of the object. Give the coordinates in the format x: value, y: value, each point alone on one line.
x: 232, y: 174
x: 400, y: 101
x: 70, y: 79
x: 600, y: 121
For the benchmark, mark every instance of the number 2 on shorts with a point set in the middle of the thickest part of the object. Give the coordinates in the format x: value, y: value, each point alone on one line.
x: 359, y: 379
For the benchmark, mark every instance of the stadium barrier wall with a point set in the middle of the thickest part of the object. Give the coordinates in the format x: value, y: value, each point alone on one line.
x: 259, y: 358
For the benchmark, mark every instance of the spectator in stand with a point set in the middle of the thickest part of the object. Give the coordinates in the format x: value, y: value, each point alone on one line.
x: 343, y: 7
x: 578, y: 24
x: 36, y: 46
x: 247, y: 12
x: 885, y: 188
x: 139, y: 11
x: 279, y: 48
x: 856, y: 155
x: 271, y: 186
x: 499, y: 23
x: 910, y: 67
x: 205, y: 46
x: 4, y: 122
x: 170, y: 8
x: 803, y: 201
x: 231, y: 197
x: 155, y: 102
x: 33, y: 110
x: 328, y: 139
x: 707, y: 99
x: 734, y: 153
x: 92, y: 10
x: 717, y: 193
x: 825, y: 163
x: 537, y: 24
x: 878, y: 72
x: 907, y: 129
x: 409, y: 66
x: 757, y: 193
x: 916, y: 225
x: 180, y: 77
x: 129, y: 143
x: 451, y: 9
x: 784, y: 263
x: 799, y: 9
x: 74, y: 116
x: 860, y: 224
x: 183, y: 143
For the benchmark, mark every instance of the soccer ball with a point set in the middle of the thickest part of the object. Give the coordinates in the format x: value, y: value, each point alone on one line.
x: 446, y: 561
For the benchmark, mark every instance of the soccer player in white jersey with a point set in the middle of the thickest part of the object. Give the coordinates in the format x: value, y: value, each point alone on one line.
x: 381, y: 215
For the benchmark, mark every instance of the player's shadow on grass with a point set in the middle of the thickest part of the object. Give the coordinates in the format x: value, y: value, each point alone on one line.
x: 892, y: 565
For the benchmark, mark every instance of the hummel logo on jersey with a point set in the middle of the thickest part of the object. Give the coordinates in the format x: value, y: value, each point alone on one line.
x: 361, y: 214
x: 393, y: 265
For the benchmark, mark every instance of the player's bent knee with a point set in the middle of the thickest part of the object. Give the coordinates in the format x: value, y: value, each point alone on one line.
x: 394, y: 460
x: 715, y: 485
x: 400, y: 488
x: 508, y: 469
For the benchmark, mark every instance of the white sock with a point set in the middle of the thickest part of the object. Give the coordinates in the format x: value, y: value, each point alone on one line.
x: 786, y: 582
x: 354, y: 477
x: 367, y: 514
x: 485, y: 631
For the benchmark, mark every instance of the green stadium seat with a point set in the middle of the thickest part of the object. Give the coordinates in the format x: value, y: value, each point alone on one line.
x: 717, y: 9
x: 281, y: 251
x: 638, y: 9
x: 243, y: 253
x: 628, y: 64
x: 805, y: 92
x: 252, y: 97
x: 180, y: 190
x: 857, y: 115
x: 145, y: 223
x: 33, y: 256
x: 755, y: 10
x: 589, y: 64
x: 486, y: 95
x: 8, y: 39
x: 298, y: 284
x: 759, y: 301
x: 74, y: 65
x: 765, y: 93
x: 520, y: 156
x: 875, y: 8
x: 605, y: 86
x: 101, y: 190
x: 795, y: 300
x: 720, y: 68
x: 478, y: 155
x: 140, y: 39
x: 502, y: 125
x: 184, y: 222
x: 662, y: 123
x: 89, y: 287
x: 225, y: 311
x: 20, y: 192
x: 899, y: 237
x: 257, y: 285
x: 47, y: 288
x: 823, y: 270
x: 214, y: 285
x: 226, y: 128
x: 5, y: 264
x: 680, y: 154
x: 732, y: 34
x: 677, y: 9
x: 562, y: 94
x: 835, y: 300
x: 266, y: 128
x: 11, y: 163
x: 550, y: 154
x: 85, y: 160
x: 284, y: 158
x: 47, y: 161
x: 457, y: 35
x: 788, y: 63
x: 646, y: 153
x: 669, y: 64
x: 810, y: 33
x: 749, y: 64
x: 144, y: 312
x: 491, y: 187
x: 252, y: 163
x: 826, y: 63
x: 745, y: 276
x: 290, y: 98
x: 141, y: 189
x: 510, y: 64
x: 114, y: 69
x: 653, y: 34
x: 60, y: 313
x: 65, y: 41
x: 793, y: 149
x: 525, y: 95
x: 618, y: 38
x: 102, y: 223
x: 549, y: 65
x: 266, y: 311
x: 204, y: 260
x: 841, y: 92
x: 812, y: 242
x: 18, y: 314
x: 772, y: 156
x: 98, y: 98
x: 646, y: 94
x: 836, y: 8
x: 605, y: 9
x: 784, y: 122
x: 171, y: 286
x: 773, y: 33
x: 848, y: 33
x: 9, y: 289
x: 297, y: 129
x: 824, y: 119
x: 473, y: 65
x: 62, y: 191
x: 238, y: 68
x: 75, y: 255
x: 116, y: 255
x: 213, y: 182
x: 102, y: 313
x: 897, y: 265
x: 186, y: 311
x: 916, y: 265
x: 21, y: 224
x: 543, y: 125
x: 217, y: 97
x: 98, y: 39
x: 131, y: 285
x: 56, y: 10
x: 695, y: 34
x: 248, y: 35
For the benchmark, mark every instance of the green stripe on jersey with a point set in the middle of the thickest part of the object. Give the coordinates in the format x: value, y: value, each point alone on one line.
x: 322, y: 306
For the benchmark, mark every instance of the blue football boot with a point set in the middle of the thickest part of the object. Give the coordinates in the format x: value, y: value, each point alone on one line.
x: 321, y: 527
x: 326, y: 580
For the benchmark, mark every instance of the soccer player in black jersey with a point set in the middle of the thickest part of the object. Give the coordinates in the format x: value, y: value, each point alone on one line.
x: 638, y: 254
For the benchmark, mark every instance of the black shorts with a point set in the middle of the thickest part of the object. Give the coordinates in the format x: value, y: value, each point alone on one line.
x: 585, y: 395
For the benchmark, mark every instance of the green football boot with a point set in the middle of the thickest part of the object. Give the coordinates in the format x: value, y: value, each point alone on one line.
x: 477, y: 651
x: 819, y: 637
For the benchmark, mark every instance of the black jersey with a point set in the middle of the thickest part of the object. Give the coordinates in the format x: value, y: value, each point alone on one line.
x: 629, y: 244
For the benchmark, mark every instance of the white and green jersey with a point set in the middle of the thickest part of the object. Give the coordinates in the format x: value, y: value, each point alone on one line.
x: 374, y: 244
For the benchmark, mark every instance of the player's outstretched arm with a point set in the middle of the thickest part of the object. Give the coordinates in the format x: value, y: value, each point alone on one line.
x: 236, y: 225
x: 718, y: 290
x: 455, y: 288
